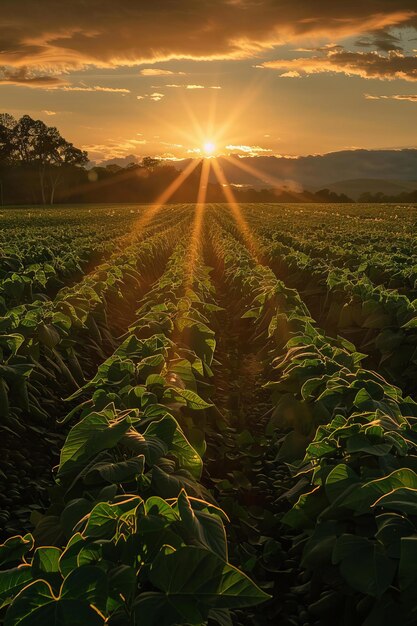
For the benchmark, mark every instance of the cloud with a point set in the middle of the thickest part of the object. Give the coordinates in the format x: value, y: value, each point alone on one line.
x: 155, y: 71
x: 114, y: 149
x: 381, y: 40
x: 291, y: 74
x: 326, y: 48
x: 393, y: 65
x: 59, y: 36
x: 171, y: 145
x: 22, y: 76
x: 409, y: 97
x: 94, y: 88
x: 49, y: 113
x: 155, y: 96
x: 177, y: 86
x: 248, y: 150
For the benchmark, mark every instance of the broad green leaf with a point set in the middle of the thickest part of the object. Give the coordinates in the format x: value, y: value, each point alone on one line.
x: 369, y: 494
x: 14, y: 548
x: 103, y: 519
x: 94, y: 433
x: 192, y: 399
x: 206, y: 528
x: 339, y: 479
x: 122, y: 471
x: 12, y: 581
x: 364, y: 564
x: 197, y: 576
x: 36, y: 605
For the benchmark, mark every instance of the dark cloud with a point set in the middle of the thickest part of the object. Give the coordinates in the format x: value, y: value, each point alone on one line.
x: 46, y: 34
x: 383, y: 41
x: 23, y: 76
x: 364, y: 64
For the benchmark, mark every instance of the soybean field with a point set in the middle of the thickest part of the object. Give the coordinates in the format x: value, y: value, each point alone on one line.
x: 208, y: 415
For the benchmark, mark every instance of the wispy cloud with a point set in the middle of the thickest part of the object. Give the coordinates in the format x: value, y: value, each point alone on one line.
x: 90, y: 89
x: 158, y: 71
x: 248, y: 150
x: 115, y: 148
x: 409, y: 97
x: 393, y: 65
x: 177, y: 86
x: 155, y: 96
x: 24, y: 77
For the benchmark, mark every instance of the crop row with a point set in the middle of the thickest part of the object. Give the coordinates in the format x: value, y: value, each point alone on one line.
x: 33, y: 268
x: 44, y: 336
x: 350, y: 441
x: 131, y: 535
x: 380, y: 244
x: 48, y: 348
x: 381, y: 323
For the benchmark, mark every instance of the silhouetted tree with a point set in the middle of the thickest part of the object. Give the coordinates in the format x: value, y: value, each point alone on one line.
x: 32, y: 142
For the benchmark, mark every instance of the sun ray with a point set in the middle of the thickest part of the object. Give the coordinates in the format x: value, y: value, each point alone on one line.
x: 198, y: 221
x: 212, y: 115
x: 240, y: 220
x: 267, y: 178
x: 148, y: 215
x: 250, y: 94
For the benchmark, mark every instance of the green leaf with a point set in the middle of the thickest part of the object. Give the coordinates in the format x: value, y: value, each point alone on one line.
x: 152, y: 448
x: 12, y: 581
x: 340, y: 478
x: 94, y: 433
x: 192, y: 572
x: 36, y: 605
x: 170, y: 485
x: 403, y: 500
x: 103, y: 519
x: 87, y: 583
x: 192, y: 581
x: 364, y: 564
x: 207, y: 528
x: 123, y: 471
x: 407, y: 573
x: 192, y: 399
x: 45, y: 565
x: 13, y: 549
x: 370, y: 494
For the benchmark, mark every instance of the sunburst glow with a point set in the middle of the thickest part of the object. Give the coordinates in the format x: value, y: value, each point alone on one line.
x: 209, y: 148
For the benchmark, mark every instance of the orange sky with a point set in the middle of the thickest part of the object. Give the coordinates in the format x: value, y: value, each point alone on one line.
x: 257, y: 78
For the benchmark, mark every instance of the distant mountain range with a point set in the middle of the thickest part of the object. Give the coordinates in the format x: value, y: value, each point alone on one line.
x: 355, y: 188
x: 351, y: 172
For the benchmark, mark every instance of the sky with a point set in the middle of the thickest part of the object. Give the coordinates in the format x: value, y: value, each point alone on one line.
x: 184, y: 78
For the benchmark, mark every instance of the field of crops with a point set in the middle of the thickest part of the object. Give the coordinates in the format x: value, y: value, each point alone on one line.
x: 208, y: 415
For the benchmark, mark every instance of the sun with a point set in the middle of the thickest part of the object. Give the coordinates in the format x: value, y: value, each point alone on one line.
x: 209, y: 148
